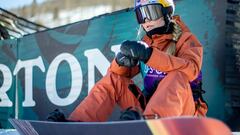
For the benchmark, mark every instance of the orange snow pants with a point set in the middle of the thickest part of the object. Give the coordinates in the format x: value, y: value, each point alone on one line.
x: 173, y: 97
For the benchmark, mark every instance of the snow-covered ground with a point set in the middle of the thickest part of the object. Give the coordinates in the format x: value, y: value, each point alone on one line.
x: 70, y: 16
x: 8, y: 132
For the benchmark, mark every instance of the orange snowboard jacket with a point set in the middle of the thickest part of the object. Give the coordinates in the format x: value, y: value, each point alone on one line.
x: 188, y: 58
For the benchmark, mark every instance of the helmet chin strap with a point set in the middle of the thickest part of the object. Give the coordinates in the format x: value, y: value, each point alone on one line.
x: 166, y: 29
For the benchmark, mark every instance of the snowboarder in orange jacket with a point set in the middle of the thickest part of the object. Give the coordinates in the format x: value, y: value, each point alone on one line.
x: 169, y: 58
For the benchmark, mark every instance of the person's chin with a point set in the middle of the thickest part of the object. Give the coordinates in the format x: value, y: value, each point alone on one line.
x: 150, y: 29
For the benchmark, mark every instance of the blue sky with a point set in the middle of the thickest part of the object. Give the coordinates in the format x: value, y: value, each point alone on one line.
x: 8, y: 4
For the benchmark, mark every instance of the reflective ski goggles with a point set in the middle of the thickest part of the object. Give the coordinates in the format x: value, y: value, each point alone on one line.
x: 150, y: 12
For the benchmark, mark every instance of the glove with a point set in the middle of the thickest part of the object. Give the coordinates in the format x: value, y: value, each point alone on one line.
x: 136, y: 50
x: 57, y: 116
x: 125, y: 61
x: 130, y: 114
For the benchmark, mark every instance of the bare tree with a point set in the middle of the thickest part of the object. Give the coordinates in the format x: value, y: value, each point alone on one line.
x: 33, y: 8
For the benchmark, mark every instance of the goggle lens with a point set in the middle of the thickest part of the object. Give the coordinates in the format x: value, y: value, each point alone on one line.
x: 150, y: 12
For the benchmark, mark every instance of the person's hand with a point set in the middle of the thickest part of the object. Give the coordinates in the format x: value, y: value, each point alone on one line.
x: 57, y: 116
x: 125, y: 61
x: 136, y: 50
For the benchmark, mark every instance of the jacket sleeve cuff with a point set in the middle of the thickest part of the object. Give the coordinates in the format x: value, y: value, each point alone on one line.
x: 120, y: 70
